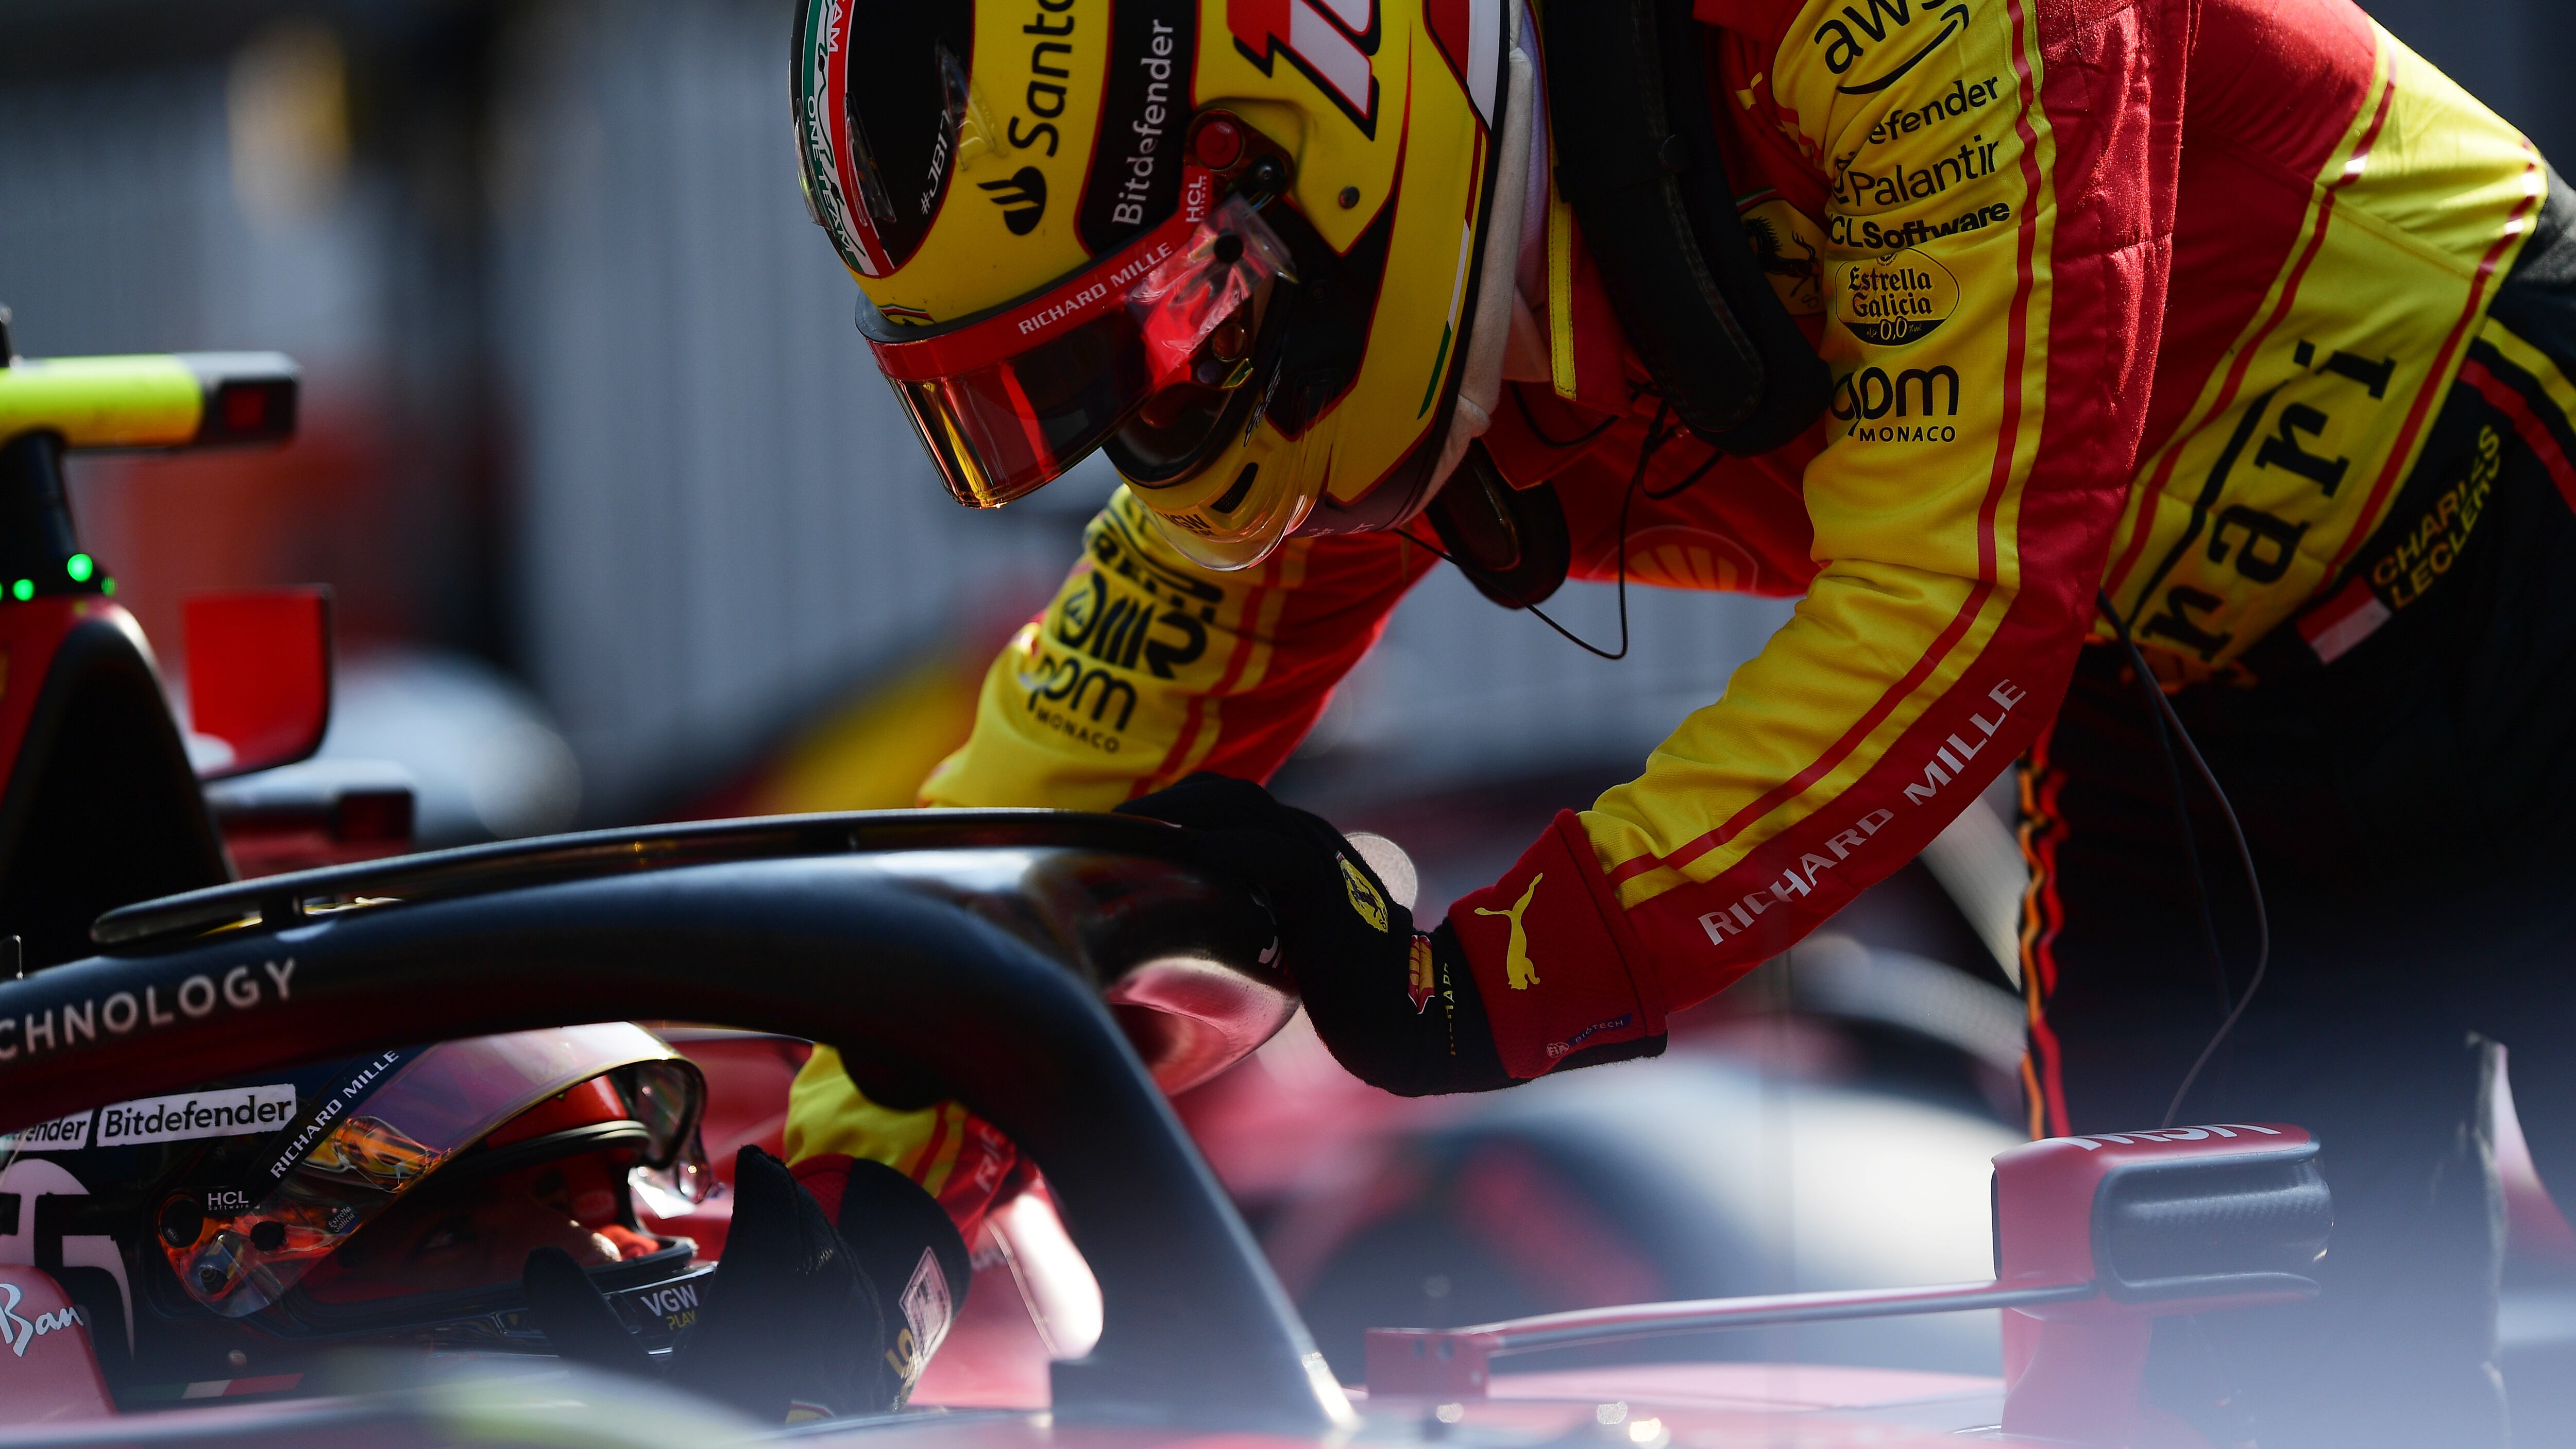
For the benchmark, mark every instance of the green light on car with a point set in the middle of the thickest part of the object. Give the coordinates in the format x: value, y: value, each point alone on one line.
x: 79, y: 566
x: 107, y: 586
x: 23, y: 590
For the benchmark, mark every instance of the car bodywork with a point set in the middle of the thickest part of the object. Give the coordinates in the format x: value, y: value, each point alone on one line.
x: 1059, y: 973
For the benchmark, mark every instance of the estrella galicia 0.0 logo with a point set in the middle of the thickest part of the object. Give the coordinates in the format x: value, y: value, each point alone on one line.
x: 1022, y: 196
x: 1899, y: 298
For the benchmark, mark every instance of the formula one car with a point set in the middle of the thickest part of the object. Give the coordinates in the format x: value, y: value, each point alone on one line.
x: 1055, y: 972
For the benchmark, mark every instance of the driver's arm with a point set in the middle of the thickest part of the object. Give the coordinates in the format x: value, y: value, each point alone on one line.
x: 1143, y: 669
x: 1147, y: 667
x: 1998, y: 284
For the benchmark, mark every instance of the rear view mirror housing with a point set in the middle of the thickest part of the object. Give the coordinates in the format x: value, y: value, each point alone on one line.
x: 2182, y: 1218
x: 2172, y: 1221
x: 259, y: 675
x: 2095, y: 1238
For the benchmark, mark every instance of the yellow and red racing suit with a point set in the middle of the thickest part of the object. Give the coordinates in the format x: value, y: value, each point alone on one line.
x: 2153, y: 298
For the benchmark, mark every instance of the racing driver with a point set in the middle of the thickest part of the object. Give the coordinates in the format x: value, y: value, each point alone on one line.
x: 1997, y: 332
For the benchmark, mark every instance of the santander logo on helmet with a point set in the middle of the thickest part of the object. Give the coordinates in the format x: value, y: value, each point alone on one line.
x: 1234, y: 243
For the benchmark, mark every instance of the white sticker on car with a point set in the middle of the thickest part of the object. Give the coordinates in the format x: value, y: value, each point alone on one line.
x: 233, y: 1113
x: 63, y: 1134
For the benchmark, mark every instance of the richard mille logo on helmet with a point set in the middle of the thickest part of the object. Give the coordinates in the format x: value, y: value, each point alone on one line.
x: 1022, y: 196
x: 1872, y: 44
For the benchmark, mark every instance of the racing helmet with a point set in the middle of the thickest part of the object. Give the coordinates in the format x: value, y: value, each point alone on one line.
x: 1235, y: 244
x: 230, y: 1235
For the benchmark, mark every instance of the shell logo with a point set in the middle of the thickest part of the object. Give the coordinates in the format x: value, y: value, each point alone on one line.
x: 1679, y: 556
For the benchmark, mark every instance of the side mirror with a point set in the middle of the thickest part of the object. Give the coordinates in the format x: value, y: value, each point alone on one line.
x: 2095, y: 1238
x: 2173, y: 1221
x: 259, y: 675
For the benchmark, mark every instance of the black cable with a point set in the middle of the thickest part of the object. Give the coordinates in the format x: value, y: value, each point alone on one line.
x: 1683, y: 486
x: 1656, y: 437
x: 2190, y: 836
x: 2167, y: 719
x: 1540, y: 433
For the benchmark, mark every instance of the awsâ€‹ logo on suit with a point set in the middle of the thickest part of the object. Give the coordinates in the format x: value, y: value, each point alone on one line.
x: 1884, y: 39
x: 1022, y: 195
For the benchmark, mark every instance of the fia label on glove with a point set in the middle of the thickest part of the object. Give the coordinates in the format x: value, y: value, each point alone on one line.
x: 927, y: 1309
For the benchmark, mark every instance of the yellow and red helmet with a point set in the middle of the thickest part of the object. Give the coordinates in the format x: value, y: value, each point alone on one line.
x: 1235, y: 243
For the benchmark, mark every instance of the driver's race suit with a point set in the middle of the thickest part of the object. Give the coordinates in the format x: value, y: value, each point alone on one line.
x: 2189, y: 302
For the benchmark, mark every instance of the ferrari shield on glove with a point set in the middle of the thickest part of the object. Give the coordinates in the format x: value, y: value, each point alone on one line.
x: 1397, y: 1008
x: 1464, y: 1007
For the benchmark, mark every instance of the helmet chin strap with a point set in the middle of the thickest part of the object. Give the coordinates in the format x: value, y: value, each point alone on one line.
x: 1488, y: 331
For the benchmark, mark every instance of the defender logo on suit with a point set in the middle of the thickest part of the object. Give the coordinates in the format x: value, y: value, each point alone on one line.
x: 1517, y: 965
x: 1022, y: 197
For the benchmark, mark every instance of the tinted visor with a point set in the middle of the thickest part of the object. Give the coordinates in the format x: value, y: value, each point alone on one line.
x: 1008, y: 402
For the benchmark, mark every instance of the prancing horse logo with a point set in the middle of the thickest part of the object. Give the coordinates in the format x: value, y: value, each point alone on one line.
x: 1517, y: 965
x: 1022, y: 197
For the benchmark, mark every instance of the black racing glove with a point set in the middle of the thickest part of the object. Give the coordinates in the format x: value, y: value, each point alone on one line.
x: 1398, y: 1008
x: 804, y: 1317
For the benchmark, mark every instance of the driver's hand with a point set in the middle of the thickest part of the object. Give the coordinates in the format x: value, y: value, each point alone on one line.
x: 1398, y: 1008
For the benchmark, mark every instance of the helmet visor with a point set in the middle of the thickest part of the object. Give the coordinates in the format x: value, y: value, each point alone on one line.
x: 339, y: 1172
x: 1008, y: 402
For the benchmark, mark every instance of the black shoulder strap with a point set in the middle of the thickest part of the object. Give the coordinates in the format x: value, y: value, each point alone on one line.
x: 1637, y: 158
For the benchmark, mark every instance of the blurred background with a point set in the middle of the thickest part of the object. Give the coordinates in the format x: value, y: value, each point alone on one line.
x: 621, y: 522
x: 623, y: 527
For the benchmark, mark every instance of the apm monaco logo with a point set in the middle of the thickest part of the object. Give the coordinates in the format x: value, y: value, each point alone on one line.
x: 1022, y: 195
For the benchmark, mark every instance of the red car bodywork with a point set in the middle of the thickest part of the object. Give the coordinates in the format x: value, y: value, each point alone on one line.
x: 2077, y: 1341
